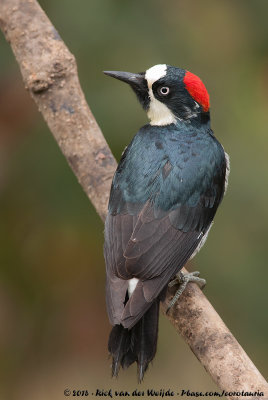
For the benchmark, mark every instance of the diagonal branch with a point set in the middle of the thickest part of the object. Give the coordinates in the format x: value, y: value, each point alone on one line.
x: 50, y: 74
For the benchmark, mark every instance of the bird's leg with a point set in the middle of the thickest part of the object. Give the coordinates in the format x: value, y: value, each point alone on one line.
x: 182, y: 280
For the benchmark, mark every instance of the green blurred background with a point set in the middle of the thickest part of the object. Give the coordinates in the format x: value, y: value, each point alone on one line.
x: 53, y: 323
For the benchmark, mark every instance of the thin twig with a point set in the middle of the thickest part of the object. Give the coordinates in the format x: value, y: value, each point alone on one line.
x: 50, y: 74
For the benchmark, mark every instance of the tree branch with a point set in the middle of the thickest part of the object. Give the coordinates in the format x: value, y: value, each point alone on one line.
x: 50, y: 74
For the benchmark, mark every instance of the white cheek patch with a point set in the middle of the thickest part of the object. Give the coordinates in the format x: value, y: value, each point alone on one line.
x: 158, y: 113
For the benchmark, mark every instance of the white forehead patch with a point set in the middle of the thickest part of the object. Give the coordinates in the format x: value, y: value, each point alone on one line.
x: 154, y: 73
x: 158, y: 112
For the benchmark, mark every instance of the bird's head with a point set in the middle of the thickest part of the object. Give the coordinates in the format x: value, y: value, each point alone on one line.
x: 168, y: 93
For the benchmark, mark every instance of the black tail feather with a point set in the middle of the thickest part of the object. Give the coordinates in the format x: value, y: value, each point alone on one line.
x: 137, y: 344
x: 118, y: 346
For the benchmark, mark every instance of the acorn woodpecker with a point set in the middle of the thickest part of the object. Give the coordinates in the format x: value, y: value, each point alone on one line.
x: 165, y: 192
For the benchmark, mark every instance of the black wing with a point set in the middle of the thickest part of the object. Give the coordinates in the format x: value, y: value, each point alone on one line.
x: 152, y: 243
x: 155, y: 252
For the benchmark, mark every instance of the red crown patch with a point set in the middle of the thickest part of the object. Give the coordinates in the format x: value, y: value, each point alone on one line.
x: 197, y: 89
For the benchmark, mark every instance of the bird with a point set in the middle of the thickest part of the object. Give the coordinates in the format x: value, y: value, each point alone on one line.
x: 164, y: 195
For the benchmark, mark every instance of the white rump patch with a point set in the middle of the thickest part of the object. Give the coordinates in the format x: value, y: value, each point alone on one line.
x: 132, y: 283
x: 158, y: 112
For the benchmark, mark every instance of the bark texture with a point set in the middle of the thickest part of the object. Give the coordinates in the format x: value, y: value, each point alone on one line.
x: 223, y: 358
x: 50, y: 74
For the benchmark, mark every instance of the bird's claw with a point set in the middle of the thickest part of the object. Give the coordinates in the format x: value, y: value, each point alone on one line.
x: 182, y: 280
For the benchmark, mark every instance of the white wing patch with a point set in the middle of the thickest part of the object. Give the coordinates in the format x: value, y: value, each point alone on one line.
x: 204, y: 238
x: 158, y: 113
x: 202, y: 242
x: 227, y: 172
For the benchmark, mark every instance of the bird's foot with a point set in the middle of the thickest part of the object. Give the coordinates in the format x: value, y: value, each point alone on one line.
x: 182, y: 280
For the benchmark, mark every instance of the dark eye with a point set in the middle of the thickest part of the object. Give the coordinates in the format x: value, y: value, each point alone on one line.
x: 164, y: 90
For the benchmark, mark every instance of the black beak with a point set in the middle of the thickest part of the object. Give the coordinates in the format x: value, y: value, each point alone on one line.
x: 135, y: 80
